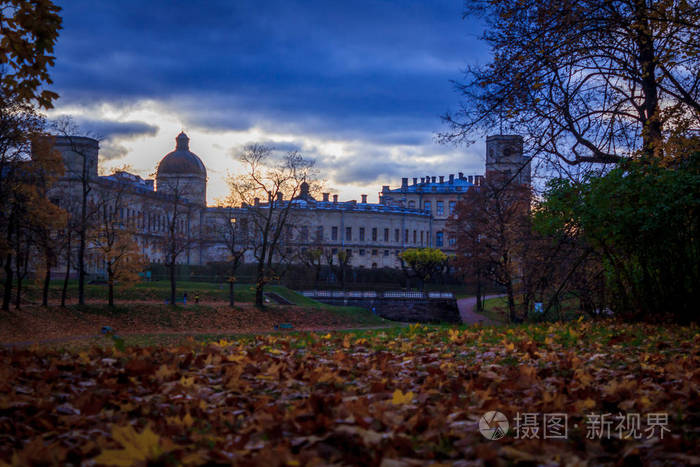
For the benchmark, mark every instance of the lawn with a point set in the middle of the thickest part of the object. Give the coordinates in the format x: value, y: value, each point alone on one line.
x: 150, y: 320
x: 402, y: 396
x: 496, y: 310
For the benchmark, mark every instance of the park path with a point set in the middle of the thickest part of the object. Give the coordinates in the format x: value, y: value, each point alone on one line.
x: 467, y: 310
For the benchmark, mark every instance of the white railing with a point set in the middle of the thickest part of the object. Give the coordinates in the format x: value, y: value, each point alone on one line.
x: 374, y: 294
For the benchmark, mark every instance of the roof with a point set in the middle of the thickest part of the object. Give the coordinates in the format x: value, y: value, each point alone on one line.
x: 350, y: 206
x: 460, y: 185
x: 181, y: 161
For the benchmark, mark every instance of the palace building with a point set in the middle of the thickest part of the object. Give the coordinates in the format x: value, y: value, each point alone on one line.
x: 413, y: 215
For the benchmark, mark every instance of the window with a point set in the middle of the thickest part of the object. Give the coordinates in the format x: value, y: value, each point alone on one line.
x: 374, y: 252
x: 440, y: 205
x: 348, y: 233
x: 374, y: 234
x: 348, y: 253
x: 453, y: 205
x: 396, y: 235
x: 334, y: 251
x: 421, y: 238
x: 362, y: 234
x: 438, y: 239
x: 411, y: 204
x: 427, y: 206
x: 319, y: 233
x: 334, y: 233
x: 386, y: 235
x: 304, y: 233
x: 362, y: 252
x: 386, y: 252
x: 452, y: 240
x: 414, y: 237
x: 405, y: 236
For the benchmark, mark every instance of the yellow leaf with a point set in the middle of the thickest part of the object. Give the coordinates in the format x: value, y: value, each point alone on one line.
x: 164, y: 372
x: 401, y: 398
x: 510, y: 347
x: 327, y: 336
x: 187, y: 382
x: 583, y: 406
x: 137, y: 447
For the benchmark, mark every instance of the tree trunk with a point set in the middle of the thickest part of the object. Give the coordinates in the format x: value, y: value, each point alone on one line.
x: 230, y: 293
x: 7, y: 295
x: 652, y: 129
x: 64, y: 291
x: 260, y: 284
x: 47, y: 282
x: 511, y: 301
x: 479, y: 297
x: 172, y: 284
x: 81, y: 267
x: 110, y: 285
x: 18, y: 268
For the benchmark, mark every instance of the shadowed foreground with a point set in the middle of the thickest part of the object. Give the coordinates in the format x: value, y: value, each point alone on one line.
x: 413, y: 394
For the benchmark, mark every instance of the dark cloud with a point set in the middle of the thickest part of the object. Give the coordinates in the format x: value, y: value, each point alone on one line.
x: 113, y: 130
x: 112, y: 151
x: 361, y: 69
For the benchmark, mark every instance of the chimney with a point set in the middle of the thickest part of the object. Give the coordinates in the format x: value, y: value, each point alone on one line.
x: 325, y: 197
x: 280, y: 196
x: 452, y: 178
x: 422, y: 180
x: 385, y: 188
x: 364, y: 199
x: 434, y: 177
x: 471, y: 179
x: 256, y: 201
x: 335, y: 198
x: 442, y: 179
x: 461, y: 175
x: 415, y: 181
x: 404, y: 182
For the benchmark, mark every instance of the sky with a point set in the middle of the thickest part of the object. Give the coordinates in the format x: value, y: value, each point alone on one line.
x: 358, y: 86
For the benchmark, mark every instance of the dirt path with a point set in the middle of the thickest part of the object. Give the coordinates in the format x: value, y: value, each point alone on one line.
x: 467, y: 313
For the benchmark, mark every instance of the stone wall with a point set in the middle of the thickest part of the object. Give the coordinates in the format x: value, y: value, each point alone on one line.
x: 405, y: 310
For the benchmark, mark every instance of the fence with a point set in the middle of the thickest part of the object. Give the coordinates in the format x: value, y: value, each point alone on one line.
x: 374, y: 294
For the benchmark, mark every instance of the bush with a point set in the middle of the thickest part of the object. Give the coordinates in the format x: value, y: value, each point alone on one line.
x: 643, y: 220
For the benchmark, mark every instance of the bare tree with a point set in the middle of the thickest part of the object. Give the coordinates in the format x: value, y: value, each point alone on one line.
x: 177, y: 240
x: 83, y: 174
x: 48, y: 220
x: 232, y: 232
x: 589, y: 81
x: 269, y: 179
x: 113, y: 239
x: 491, y: 223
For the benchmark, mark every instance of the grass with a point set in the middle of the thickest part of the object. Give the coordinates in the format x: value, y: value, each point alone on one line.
x: 496, y: 310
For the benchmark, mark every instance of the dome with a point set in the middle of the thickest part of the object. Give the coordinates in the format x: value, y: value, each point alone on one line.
x: 181, y: 161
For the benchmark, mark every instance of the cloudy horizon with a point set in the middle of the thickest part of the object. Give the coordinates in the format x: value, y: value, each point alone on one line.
x: 358, y: 88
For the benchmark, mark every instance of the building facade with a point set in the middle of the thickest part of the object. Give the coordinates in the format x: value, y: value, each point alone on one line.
x: 174, y: 206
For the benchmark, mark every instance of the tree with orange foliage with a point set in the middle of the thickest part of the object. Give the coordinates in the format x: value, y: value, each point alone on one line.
x: 115, y: 241
x: 490, y: 224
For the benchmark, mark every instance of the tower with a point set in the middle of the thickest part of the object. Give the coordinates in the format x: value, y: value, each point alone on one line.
x: 504, y: 158
x: 76, y: 150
